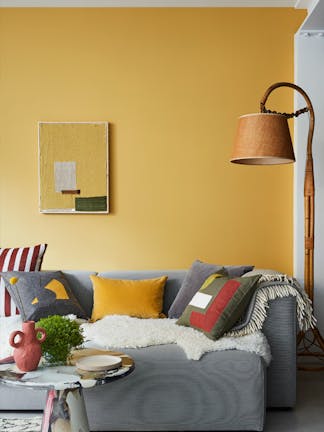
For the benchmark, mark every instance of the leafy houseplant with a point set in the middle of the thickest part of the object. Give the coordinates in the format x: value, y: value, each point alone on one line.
x: 62, y: 335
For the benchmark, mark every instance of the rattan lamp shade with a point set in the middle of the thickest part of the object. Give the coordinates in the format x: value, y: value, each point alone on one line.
x: 262, y: 139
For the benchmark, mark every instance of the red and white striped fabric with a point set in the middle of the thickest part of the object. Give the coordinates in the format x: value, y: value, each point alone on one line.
x: 17, y: 259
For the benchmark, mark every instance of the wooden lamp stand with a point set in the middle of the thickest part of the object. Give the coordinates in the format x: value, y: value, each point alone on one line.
x: 264, y: 138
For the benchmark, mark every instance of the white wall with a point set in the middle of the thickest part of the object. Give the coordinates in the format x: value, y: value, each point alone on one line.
x: 309, y: 74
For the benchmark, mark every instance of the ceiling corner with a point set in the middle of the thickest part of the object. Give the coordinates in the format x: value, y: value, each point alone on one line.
x: 306, y: 4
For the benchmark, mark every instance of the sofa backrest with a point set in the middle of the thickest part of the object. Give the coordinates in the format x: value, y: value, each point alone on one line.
x: 82, y: 287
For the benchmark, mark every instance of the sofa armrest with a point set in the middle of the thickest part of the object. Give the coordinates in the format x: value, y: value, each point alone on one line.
x: 280, y: 329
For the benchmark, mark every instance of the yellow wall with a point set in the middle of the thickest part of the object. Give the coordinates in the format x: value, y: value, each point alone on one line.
x: 171, y: 82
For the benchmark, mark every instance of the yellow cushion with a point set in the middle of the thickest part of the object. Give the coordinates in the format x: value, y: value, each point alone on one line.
x: 137, y: 298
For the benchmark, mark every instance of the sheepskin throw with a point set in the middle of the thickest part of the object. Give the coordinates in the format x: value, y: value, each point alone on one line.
x: 121, y: 331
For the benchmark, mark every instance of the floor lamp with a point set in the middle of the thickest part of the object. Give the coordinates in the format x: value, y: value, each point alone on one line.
x: 264, y: 139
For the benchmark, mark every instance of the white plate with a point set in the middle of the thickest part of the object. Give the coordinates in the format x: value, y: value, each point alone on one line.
x: 99, y: 363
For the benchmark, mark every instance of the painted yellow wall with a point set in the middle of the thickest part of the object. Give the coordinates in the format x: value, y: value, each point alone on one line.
x: 171, y: 82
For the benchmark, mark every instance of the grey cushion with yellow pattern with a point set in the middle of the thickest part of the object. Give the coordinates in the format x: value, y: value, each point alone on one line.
x: 40, y: 294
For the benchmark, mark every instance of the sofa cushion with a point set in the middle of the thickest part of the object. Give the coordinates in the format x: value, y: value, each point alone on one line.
x: 40, y: 294
x: 218, y: 304
x: 137, y: 298
x: 195, y: 277
x: 21, y: 259
x: 172, y: 286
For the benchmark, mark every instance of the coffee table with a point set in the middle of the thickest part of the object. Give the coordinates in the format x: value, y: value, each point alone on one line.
x: 65, y: 408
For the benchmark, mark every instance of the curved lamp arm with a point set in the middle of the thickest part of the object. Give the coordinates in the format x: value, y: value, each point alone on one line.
x: 309, y: 187
x: 263, y: 139
x: 308, y: 108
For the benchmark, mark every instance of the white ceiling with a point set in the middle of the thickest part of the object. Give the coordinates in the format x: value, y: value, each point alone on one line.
x: 151, y: 3
x: 315, y: 18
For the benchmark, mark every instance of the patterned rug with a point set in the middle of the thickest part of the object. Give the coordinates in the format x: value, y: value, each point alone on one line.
x: 32, y: 424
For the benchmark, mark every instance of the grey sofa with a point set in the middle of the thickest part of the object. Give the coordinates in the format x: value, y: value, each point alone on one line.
x: 226, y: 390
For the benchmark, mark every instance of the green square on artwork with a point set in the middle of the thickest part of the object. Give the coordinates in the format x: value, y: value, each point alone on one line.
x: 90, y: 204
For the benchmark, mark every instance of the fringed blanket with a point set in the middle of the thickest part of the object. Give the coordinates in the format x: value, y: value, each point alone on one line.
x: 270, y: 287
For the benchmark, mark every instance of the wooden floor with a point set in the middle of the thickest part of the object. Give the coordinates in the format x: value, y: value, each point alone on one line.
x: 308, y: 416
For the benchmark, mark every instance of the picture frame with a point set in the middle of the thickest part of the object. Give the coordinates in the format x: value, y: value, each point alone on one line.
x: 73, y: 167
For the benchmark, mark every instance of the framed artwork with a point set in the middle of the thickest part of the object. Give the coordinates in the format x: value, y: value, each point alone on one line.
x: 73, y: 167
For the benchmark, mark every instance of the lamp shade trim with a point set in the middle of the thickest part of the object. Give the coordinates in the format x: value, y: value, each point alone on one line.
x: 264, y: 160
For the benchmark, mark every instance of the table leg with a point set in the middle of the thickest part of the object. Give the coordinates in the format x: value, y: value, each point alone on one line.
x: 65, y: 411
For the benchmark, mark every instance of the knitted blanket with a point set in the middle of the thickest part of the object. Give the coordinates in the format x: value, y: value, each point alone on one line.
x: 270, y: 287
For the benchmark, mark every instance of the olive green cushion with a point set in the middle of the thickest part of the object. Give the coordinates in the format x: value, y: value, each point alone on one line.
x: 218, y: 304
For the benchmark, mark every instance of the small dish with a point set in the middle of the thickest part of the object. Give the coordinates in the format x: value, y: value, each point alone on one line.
x: 99, y: 363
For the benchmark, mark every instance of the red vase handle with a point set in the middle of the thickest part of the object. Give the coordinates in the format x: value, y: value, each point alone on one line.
x: 42, y: 331
x: 12, y: 338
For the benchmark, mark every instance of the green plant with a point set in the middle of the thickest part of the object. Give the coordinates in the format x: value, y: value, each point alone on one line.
x: 62, y: 335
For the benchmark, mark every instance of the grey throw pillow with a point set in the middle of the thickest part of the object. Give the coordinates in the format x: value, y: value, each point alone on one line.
x: 192, y: 282
x: 238, y: 271
x: 194, y: 279
x: 40, y: 294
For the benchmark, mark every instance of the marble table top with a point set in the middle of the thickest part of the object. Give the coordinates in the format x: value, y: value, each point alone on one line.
x: 67, y: 376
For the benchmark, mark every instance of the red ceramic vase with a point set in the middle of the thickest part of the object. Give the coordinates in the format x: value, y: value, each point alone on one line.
x: 27, y: 352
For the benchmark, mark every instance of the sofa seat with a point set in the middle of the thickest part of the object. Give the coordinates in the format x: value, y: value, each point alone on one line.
x: 222, y: 391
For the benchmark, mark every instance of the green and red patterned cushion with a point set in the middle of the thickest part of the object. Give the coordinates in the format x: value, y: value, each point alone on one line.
x: 218, y: 304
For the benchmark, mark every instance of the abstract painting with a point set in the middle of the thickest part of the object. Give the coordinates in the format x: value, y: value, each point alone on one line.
x: 73, y: 167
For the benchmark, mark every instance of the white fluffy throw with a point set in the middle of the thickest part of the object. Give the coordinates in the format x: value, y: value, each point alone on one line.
x: 119, y: 331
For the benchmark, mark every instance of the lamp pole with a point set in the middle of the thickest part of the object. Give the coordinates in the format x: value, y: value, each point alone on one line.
x: 309, y: 187
x: 310, y: 343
